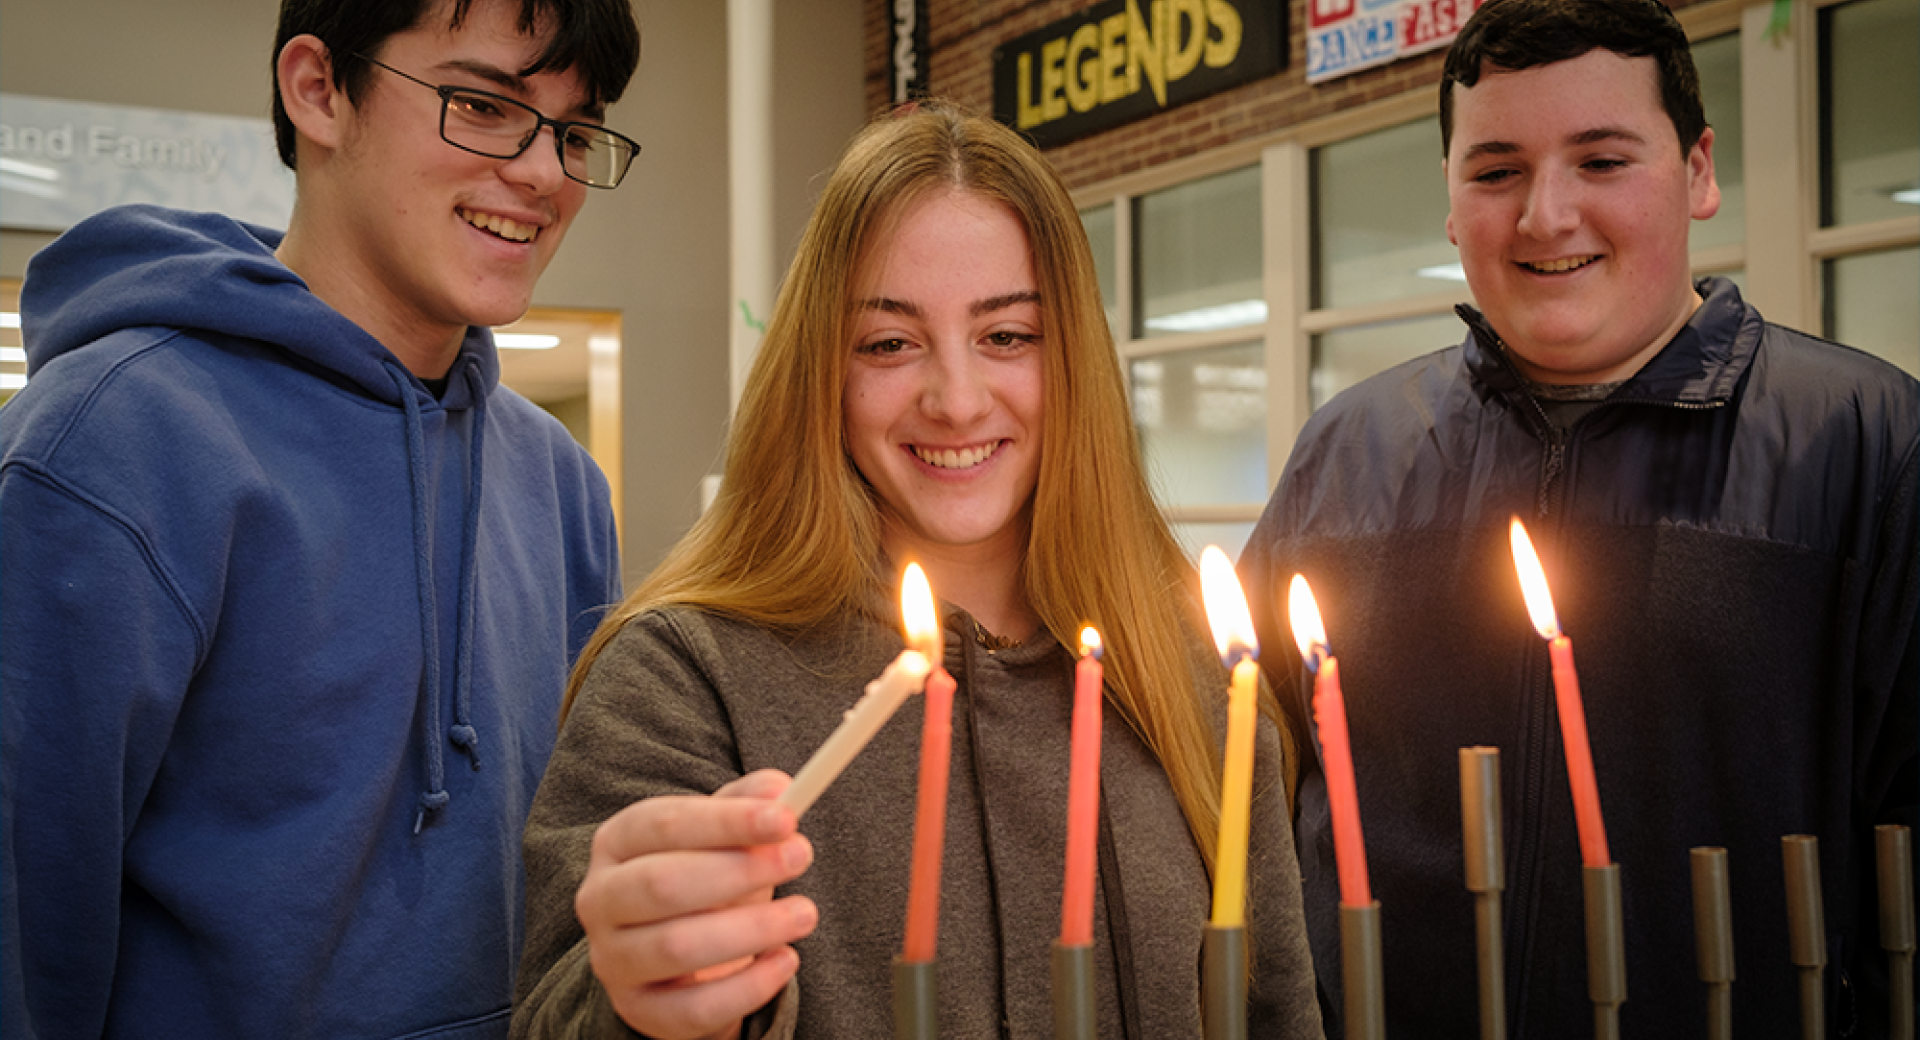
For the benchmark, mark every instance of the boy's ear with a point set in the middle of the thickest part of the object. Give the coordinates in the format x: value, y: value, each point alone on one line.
x: 1703, y: 190
x: 317, y: 108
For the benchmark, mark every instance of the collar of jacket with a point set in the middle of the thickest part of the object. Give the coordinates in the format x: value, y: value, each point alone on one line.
x: 1699, y: 367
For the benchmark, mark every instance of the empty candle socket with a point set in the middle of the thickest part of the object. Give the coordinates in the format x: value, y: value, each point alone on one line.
x: 1485, y: 855
x: 1893, y: 854
x: 1806, y: 929
x: 1713, y: 937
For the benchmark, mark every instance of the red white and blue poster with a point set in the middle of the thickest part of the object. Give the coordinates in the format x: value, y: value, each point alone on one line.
x: 1345, y: 36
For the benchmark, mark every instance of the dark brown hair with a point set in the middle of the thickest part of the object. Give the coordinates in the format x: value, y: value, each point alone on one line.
x: 1510, y: 35
x: 599, y: 38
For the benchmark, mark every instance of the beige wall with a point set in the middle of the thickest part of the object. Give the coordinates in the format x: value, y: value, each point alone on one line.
x: 655, y: 249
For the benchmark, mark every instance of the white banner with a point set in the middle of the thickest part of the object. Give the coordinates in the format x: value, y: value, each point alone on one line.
x: 62, y: 161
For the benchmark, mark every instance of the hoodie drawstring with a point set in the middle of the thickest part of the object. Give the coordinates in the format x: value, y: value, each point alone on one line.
x: 462, y: 733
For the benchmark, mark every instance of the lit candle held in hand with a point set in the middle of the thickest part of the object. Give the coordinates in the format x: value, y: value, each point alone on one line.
x: 1336, y: 746
x: 1566, y: 693
x: 1083, y: 795
x: 1239, y: 650
x: 902, y: 678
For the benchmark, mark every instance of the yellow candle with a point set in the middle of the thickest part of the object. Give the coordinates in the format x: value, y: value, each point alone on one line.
x: 1236, y: 799
x: 1233, y: 637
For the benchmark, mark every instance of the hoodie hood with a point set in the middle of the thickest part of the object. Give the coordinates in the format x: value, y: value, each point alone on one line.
x: 126, y: 268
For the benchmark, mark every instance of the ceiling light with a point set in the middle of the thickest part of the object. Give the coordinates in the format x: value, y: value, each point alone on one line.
x: 1444, y: 272
x: 9, y: 319
x: 13, y: 381
x: 29, y: 179
x: 1206, y: 319
x: 35, y: 171
x: 524, y: 341
x: 1910, y: 196
x: 14, y: 355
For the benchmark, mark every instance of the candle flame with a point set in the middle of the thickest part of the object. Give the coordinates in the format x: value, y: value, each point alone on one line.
x: 922, y: 621
x: 1090, y: 643
x: 1533, y: 584
x: 1308, y: 631
x: 1226, y: 607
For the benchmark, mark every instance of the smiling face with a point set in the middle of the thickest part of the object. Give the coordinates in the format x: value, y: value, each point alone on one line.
x: 943, y: 398
x: 1570, y: 203
x: 425, y: 239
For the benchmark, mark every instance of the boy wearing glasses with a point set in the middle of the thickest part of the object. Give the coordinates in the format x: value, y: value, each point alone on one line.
x: 291, y: 584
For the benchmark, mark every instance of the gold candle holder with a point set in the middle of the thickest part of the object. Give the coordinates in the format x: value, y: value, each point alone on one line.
x: 1364, y: 994
x: 1713, y: 937
x: 1606, y: 949
x: 1073, y: 1014
x: 1806, y: 930
x: 1893, y: 855
x: 915, y: 1013
x: 1223, y: 996
x: 1485, y: 855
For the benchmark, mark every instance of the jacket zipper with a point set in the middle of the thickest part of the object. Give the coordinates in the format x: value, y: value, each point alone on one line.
x: 1542, y: 710
x: 1550, y: 468
x: 1553, y: 467
x: 1539, y: 720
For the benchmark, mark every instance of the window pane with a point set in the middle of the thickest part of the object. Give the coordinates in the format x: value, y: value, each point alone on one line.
x: 1871, y: 304
x: 1100, y: 237
x: 1230, y: 537
x: 1380, y: 218
x: 1870, y: 111
x: 1199, y: 255
x: 1718, y: 60
x: 1202, y: 421
x: 13, y: 357
x: 1344, y: 357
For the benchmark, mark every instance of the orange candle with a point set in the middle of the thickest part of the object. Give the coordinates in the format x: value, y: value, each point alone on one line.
x: 1083, y: 795
x: 1566, y: 697
x: 1336, y: 746
x: 1233, y: 637
x: 930, y: 821
x: 1573, y: 733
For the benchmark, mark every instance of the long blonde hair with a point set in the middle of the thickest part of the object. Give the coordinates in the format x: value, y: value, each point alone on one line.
x: 793, y: 537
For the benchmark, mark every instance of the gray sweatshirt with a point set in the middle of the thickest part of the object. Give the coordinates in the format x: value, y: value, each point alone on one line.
x: 683, y: 702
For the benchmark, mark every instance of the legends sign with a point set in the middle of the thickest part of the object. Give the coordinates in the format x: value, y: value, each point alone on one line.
x: 1121, y: 60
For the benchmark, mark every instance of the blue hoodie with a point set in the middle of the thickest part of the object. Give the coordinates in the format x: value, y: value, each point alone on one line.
x: 282, y: 643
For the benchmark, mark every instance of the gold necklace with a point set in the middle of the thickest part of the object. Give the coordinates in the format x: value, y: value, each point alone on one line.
x: 993, y: 644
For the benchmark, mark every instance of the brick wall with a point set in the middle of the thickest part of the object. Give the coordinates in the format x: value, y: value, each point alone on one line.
x: 963, y: 34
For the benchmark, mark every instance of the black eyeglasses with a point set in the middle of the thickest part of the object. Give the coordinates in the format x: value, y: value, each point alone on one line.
x: 501, y: 128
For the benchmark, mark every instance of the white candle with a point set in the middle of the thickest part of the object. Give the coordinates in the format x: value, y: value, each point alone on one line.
x: 906, y: 676
x: 902, y: 679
